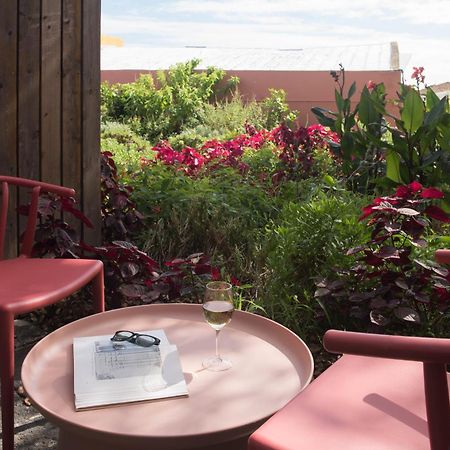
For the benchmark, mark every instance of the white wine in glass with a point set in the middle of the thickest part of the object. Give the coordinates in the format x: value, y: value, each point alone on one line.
x: 218, y: 308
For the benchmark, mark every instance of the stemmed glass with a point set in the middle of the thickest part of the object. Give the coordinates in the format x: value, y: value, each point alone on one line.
x: 218, y: 308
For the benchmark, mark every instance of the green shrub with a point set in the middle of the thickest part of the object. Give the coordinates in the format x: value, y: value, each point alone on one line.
x: 275, y: 109
x: 125, y: 145
x: 158, y: 108
x: 221, y: 121
x: 220, y: 215
x: 308, y: 240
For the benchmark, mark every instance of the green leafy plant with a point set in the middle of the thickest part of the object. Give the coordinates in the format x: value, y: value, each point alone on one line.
x: 411, y: 144
x: 389, y: 288
x: 157, y: 108
x: 276, y: 109
x: 307, y: 240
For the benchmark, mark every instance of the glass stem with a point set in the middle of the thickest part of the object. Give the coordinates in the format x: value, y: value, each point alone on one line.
x: 217, y: 344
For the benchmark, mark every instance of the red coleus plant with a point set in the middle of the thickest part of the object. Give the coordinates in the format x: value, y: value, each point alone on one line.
x: 120, y: 218
x: 211, y: 155
x: 388, y: 285
x: 297, y: 149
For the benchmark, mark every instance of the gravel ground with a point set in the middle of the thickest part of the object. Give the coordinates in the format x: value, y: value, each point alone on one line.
x: 32, y: 431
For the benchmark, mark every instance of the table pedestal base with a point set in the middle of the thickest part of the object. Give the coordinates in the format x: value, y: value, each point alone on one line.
x: 75, y: 441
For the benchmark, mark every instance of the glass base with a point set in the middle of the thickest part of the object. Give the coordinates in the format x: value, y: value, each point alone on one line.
x: 217, y: 364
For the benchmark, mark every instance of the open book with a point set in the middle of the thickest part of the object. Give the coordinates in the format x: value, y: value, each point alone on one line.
x: 106, y: 373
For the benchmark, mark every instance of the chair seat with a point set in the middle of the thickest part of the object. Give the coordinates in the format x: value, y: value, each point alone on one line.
x: 351, y: 406
x: 27, y: 284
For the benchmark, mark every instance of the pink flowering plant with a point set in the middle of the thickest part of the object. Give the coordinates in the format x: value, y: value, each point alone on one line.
x: 389, y: 285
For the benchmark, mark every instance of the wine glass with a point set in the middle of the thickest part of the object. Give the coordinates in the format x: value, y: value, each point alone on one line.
x: 218, y: 308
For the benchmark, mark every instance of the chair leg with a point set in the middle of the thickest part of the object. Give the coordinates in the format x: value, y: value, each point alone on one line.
x: 7, y: 379
x: 98, y: 291
x: 438, y: 407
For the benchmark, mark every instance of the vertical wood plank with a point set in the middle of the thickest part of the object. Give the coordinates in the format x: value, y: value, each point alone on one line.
x: 28, y: 88
x: 28, y: 94
x: 51, y: 92
x: 71, y: 98
x: 8, y: 110
x: 91, y: 198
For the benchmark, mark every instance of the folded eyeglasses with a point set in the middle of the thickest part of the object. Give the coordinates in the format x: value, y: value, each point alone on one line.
x: 143, y: 340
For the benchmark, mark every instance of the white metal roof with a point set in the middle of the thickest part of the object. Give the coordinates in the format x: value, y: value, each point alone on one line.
x: 354, y: 57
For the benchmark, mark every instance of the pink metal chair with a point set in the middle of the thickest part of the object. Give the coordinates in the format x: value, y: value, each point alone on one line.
x: 27, y: 284
x: 385, y: 393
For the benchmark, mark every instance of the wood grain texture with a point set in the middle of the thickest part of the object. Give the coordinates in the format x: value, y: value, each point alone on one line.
x: 71, y: 98
x: 91, y: 198
x: 29, y: 88
x: 51, y: 92
x: 28, y: 94
x: 49, y: 101
x: 8, y: 111
x: 8, y: 88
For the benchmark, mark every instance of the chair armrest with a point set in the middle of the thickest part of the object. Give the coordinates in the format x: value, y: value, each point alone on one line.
x: 44, y: 187
x: 383, y: 346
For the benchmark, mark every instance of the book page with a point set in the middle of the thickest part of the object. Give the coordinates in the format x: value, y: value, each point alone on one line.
x: 106, y: 375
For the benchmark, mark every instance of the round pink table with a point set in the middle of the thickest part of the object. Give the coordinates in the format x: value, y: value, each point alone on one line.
x: 270, y: 366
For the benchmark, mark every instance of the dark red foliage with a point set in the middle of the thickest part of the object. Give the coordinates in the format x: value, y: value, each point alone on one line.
x: 130, y: 274
x: 389, y: 286
x: 297, y: 149
x: 212, y: 155
x: 120, y: 218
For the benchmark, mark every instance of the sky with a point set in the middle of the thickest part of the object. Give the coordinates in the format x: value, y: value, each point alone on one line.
x: 421, y: 28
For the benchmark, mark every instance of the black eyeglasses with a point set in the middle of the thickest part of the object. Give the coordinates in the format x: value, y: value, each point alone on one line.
x: 143, y: 340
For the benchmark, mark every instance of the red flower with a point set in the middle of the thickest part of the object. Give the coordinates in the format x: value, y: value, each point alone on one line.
x: 402, y: 191
x: 215, y: 274
x: 409, y: 190
x: 418, y: 74
x: 437, y: 213
x: 415, y: 186
x: 235, y: 281
x: 371, y: 85
x: 432, y: 193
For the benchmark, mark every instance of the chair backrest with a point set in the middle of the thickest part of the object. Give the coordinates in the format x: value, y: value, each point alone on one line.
x: 36, y: 188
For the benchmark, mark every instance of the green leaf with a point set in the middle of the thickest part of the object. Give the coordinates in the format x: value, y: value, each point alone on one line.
x: 431, y: 158
x: 339, y: 101
x: 329, y: 180
x: 352, y: 90
x: 393, y: 166
x: 321, y: 111
x: 366, y: 111
x: 323, y: 118
x: 413, y: 111
x: 434, y: 116
x: 431, y: 99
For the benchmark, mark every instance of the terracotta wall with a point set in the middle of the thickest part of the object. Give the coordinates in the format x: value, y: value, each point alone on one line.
x: 304, y: 89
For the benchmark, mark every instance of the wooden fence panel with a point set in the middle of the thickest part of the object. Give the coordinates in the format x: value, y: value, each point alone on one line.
x: 71, y: 99
x: 51, y: 92
x: 28, y: 93
x: 91, y: 116
x: 49, y: 100
x: 8, y: 109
